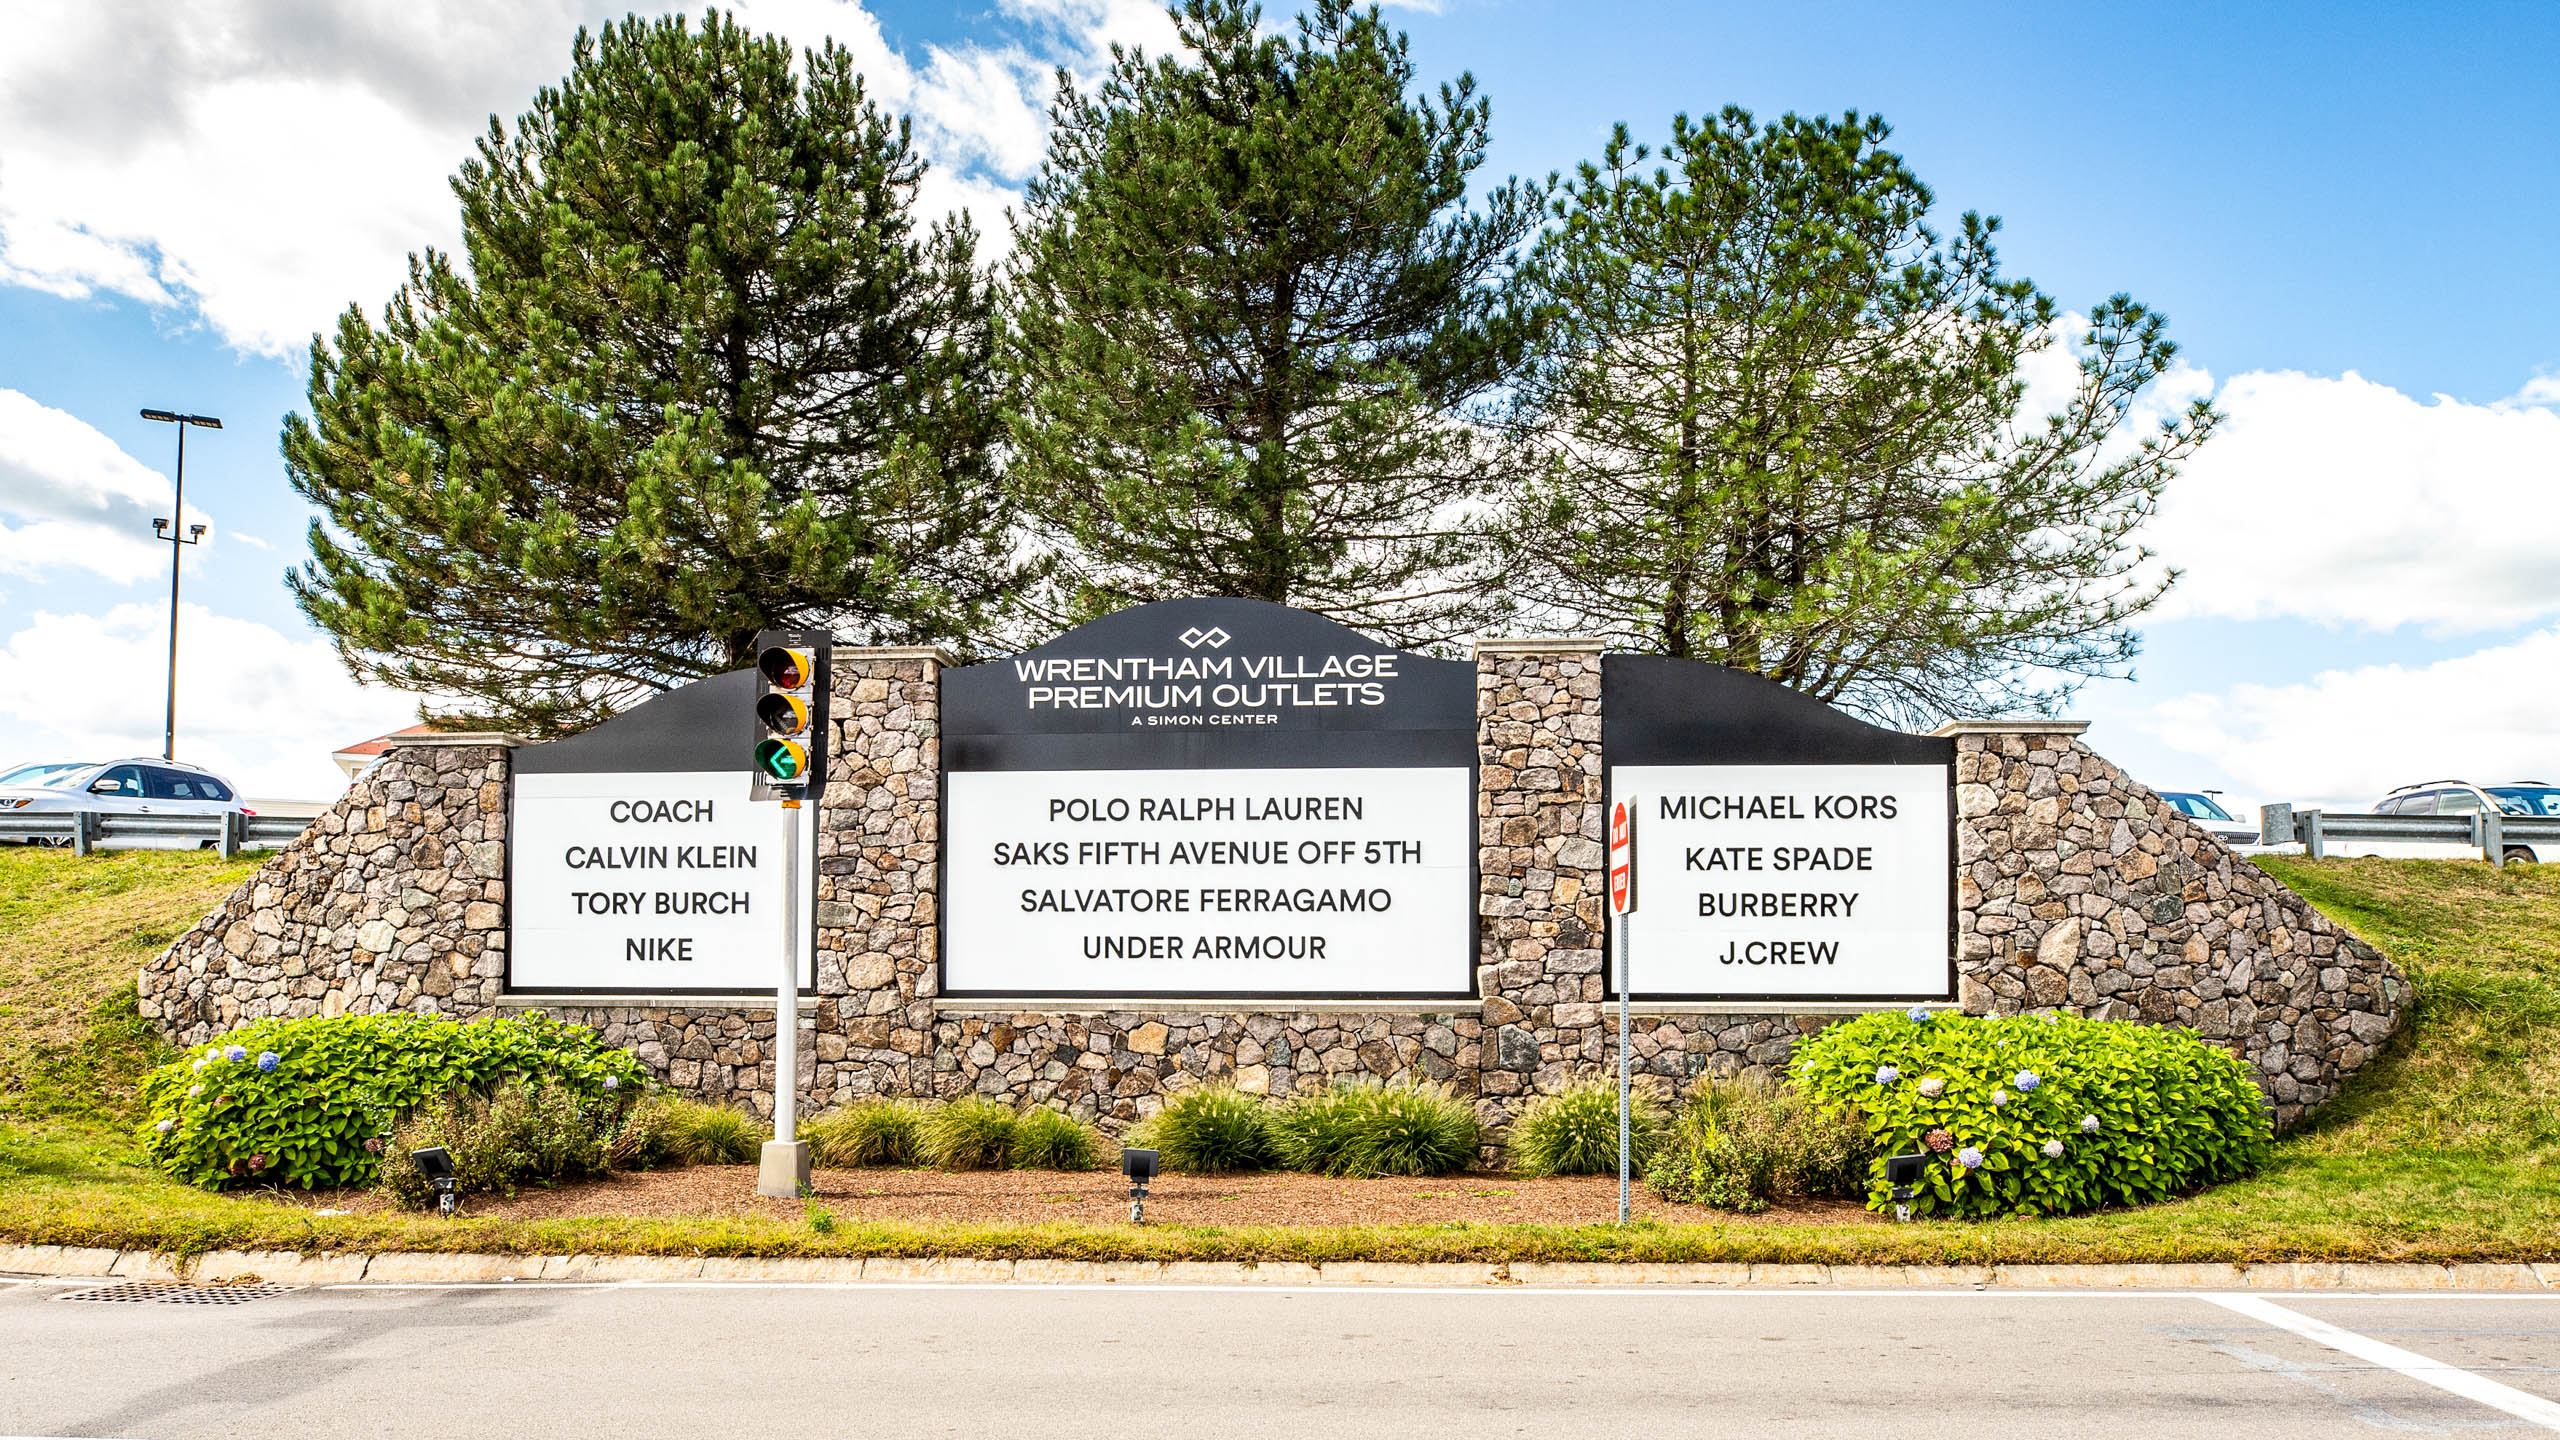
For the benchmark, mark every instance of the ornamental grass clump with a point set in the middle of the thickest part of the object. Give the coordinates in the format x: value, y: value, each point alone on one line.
x: 703, y: 1134
x: 310, y: 1102
x: 1575, y: 1131
x: 2039, y: 1114
x: 1747, y: 1143
x: 1359, y: 1130
x: 973, y: 1132
x: 877, y: 1131
x: 1045, y: 1139
x: 1209, y: 1130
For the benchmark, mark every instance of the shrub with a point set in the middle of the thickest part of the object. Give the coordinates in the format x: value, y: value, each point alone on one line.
x: 973, y: 1132
x: 702, y: 1134
x: 2039, y: 1115
x: 1357, y: 1129
x: 294, y: 1102
x: 1575, y: 1131
x: 518, y: 1134
x: 1320, y: 1132
x: 1045, y: 1139
x: 1209, y: 1130
x: 1743, y: 1144
x: 877, y: 1131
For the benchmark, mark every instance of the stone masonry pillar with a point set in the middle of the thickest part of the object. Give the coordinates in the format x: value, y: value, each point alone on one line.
x: 879, y: 851
x: 1542, y: 863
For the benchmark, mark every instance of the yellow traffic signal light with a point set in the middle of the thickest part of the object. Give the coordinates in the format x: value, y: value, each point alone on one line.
x: 790, y: 705
x: 785, y: 668
x: 782, y: 759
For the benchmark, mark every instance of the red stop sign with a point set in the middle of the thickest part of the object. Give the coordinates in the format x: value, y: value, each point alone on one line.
x: 1622, y: 857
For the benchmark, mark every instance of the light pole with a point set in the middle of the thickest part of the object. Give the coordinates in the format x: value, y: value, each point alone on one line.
x: 177, y: 532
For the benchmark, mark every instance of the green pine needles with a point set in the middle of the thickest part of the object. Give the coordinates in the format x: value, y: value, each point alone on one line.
x: 1250, y: 310
x: 696, y: 372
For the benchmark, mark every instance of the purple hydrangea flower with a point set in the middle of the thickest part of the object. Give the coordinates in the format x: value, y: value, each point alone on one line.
x: 1886, y: 1074
x: 236, y: 1053
x: 164, y: 1126
x: 1969, y: 1157
x: 1917, y: 1014
x: 2053, y: 1149
x: 2089, y: 1124
x: 612, y: 1082
x: 2026, y: 1080
x: 268, y: 1060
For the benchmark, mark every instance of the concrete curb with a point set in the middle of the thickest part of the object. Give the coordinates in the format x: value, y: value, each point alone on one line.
x: 287, y: 1268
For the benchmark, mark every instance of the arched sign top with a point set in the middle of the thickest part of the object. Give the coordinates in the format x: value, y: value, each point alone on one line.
x: 1209, y: 684
x: 1665, y: 711
x: 689, y: 728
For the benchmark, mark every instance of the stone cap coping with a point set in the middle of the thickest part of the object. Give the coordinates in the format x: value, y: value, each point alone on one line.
x: 526, y: 1000
x: 1543, y: 645
x: 934, y: 653
x: 2012, y: 727
x: 457, y: 740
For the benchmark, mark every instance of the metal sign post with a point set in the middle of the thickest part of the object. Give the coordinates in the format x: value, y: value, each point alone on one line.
x: 1622, y: 899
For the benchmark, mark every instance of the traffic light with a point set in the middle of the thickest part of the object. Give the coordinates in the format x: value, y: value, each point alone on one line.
x: 791, y: 709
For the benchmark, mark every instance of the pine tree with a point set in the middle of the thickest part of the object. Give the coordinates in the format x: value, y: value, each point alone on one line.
x: 699, y: 375
x: 1250, y: 319
x: 1778, y: 422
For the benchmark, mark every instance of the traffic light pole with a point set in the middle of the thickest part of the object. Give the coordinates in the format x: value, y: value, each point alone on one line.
x: 784, y: 1168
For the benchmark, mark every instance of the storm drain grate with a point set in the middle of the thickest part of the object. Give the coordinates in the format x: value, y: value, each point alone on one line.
x: 170, y: 1292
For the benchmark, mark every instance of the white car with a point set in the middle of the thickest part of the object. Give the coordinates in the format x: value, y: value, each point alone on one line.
x: 2537, y: 798
x: 120, y: 787
x: 2210, y: 817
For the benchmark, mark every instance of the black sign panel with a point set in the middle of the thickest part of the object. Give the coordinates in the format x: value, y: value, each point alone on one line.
x: 1210, y: 799
x: 1209, y: 684
x: 1789, y: 853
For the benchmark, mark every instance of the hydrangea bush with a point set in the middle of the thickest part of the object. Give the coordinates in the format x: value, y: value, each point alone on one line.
x: 2038, y: 1114
x: 307, y: 1102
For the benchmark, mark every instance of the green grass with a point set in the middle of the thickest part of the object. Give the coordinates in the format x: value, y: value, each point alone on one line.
x: 2445, y: 1150
x: 73, y: 932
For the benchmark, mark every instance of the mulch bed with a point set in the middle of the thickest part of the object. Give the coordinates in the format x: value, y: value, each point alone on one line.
x: 1102, y: 1197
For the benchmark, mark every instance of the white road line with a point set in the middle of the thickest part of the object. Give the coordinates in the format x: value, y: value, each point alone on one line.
x: 2531, y: 1408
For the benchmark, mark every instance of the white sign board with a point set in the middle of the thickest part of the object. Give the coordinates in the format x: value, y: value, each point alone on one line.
x: 1336, y: 882
x: 660, y: 882
x: 1791, y: 880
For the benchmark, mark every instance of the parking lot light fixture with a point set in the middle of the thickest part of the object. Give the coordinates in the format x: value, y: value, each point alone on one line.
x: 170, y: 529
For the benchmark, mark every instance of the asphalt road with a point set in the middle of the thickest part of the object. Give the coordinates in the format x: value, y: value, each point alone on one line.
x: 1030, y: 1361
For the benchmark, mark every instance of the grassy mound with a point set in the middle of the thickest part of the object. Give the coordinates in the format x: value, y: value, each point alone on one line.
x: 73, y: 932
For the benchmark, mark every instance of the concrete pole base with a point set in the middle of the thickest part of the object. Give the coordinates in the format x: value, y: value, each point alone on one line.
x: 782, y: 1170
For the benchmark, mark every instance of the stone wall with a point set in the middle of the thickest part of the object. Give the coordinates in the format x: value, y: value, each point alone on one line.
x: 2077, y: 890
x: 2081, y: 890
x: 394, y: 900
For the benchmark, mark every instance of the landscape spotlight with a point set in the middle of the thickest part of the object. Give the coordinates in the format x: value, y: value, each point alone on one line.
x: 436, y: 1163
x: 1140, y: 1167
x: 1903, y: 1172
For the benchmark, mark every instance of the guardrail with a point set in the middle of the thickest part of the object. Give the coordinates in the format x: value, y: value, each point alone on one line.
x: 2488, y: 832
x: 88, y: 830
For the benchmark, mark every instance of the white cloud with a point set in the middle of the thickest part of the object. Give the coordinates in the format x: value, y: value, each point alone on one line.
x: 2345, y: 737
x: 69, y: 496
x: 262, y: 708
x: 2346, y: 502
x: 265, y: 163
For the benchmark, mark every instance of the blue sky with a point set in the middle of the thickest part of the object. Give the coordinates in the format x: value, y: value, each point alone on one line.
x: 2351, y: 214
